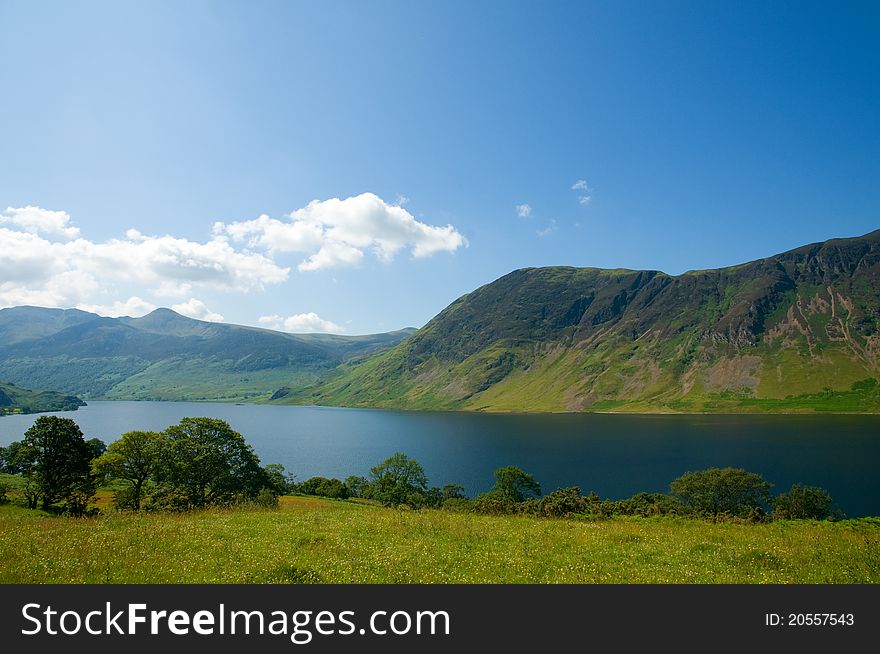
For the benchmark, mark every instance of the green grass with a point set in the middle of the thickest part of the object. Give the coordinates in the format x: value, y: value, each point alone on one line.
x: 314, y: 540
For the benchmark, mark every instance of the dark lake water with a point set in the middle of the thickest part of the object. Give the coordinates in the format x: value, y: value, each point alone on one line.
x: 614, y: 455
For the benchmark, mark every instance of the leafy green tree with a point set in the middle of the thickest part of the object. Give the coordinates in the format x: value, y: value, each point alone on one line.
x: 203, y: 462
x: 323, y: 487
x: 453, y: 492
x: 96, y: 446
x: 56, y: 463
x: 9, y: 458
x: 277, y: 479
x: 716, y: 491
x: 398, y: 480
x: 803, y: 503
x: 358, y: 486
x: 133, y: 458
x: 515, y: 485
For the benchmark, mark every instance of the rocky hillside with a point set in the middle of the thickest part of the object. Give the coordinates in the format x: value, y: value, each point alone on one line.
x: 799, y: 331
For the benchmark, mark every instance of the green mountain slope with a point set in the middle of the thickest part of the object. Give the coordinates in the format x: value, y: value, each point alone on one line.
x: 798, y: 331
x: 14, y: 399
x: 165, y: 355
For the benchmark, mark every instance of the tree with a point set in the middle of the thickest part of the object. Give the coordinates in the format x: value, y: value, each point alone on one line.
x: 133, y: 458
x: 56, y: 463
x: 8, y: 458
x: 514, y: 485
x: 277, y: 479
x: 715, y: 491
x: 203, y: 462
x: 398, y: 480
x: 453, y: 492
x: 323, y: 487
x: 358, y: 486
x: 96, y: 446
x: 803, y: 503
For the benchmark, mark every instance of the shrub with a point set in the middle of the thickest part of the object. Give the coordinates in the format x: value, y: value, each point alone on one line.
x: 803, y: 503
x: 563, y: 502
x: 322, y: 487
x: 650, y: 504
x: 266, y: 498
x: 716, y: 491
x: 494, y: 503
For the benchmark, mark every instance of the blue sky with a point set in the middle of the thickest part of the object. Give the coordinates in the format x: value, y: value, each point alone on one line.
x: 706, y: 135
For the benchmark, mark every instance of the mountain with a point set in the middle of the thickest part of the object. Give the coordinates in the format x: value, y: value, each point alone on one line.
x: 799, y: 331
x: 14, y: 399
x: 164, y: 355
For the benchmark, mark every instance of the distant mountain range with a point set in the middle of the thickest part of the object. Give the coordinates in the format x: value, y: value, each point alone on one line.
x: 166, y: 356
x: 798, y: 331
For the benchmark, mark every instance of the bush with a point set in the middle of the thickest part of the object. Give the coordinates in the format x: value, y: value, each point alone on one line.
x: 127, y: 499
x: 804, y: 503
x: 322, y: 487
x: 494, y: 503
x: 716, y: 491
x: 562, y: 503
x: 4, y: 489
x: 650, y: 504
x: 266, y: 498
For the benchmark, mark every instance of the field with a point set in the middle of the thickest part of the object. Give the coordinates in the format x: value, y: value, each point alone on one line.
x: 311, y: 540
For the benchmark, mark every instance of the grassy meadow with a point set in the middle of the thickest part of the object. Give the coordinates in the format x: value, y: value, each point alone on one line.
x: 312, y: 540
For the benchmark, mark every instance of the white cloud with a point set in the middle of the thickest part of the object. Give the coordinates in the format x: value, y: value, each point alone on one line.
x: 134, y: 307
x: 35, y: 220
x: 581, y: 185
x: 523, y: 210
x: 197, y: 309
x: 552, y: 227
x: 584, y: 199
x: 41, y: 265
x: 336, y: 232
x: 300, y: 323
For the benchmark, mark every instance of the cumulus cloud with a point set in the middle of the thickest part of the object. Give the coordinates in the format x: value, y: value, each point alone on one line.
x: 584, y: 199
x: 197, y: 309
x: 523, y: 210
x: 134, y: 307
x: 300, y: 323
x: 336, y: 232
x: 42, y: 264
x: 581, y: 185
x: 35, y: 220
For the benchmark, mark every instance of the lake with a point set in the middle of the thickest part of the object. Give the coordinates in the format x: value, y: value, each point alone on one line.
x: 614, y: 455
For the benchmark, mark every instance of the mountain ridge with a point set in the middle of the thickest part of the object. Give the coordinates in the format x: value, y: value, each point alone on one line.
x: 796, y: 331
x: 165, y: 355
